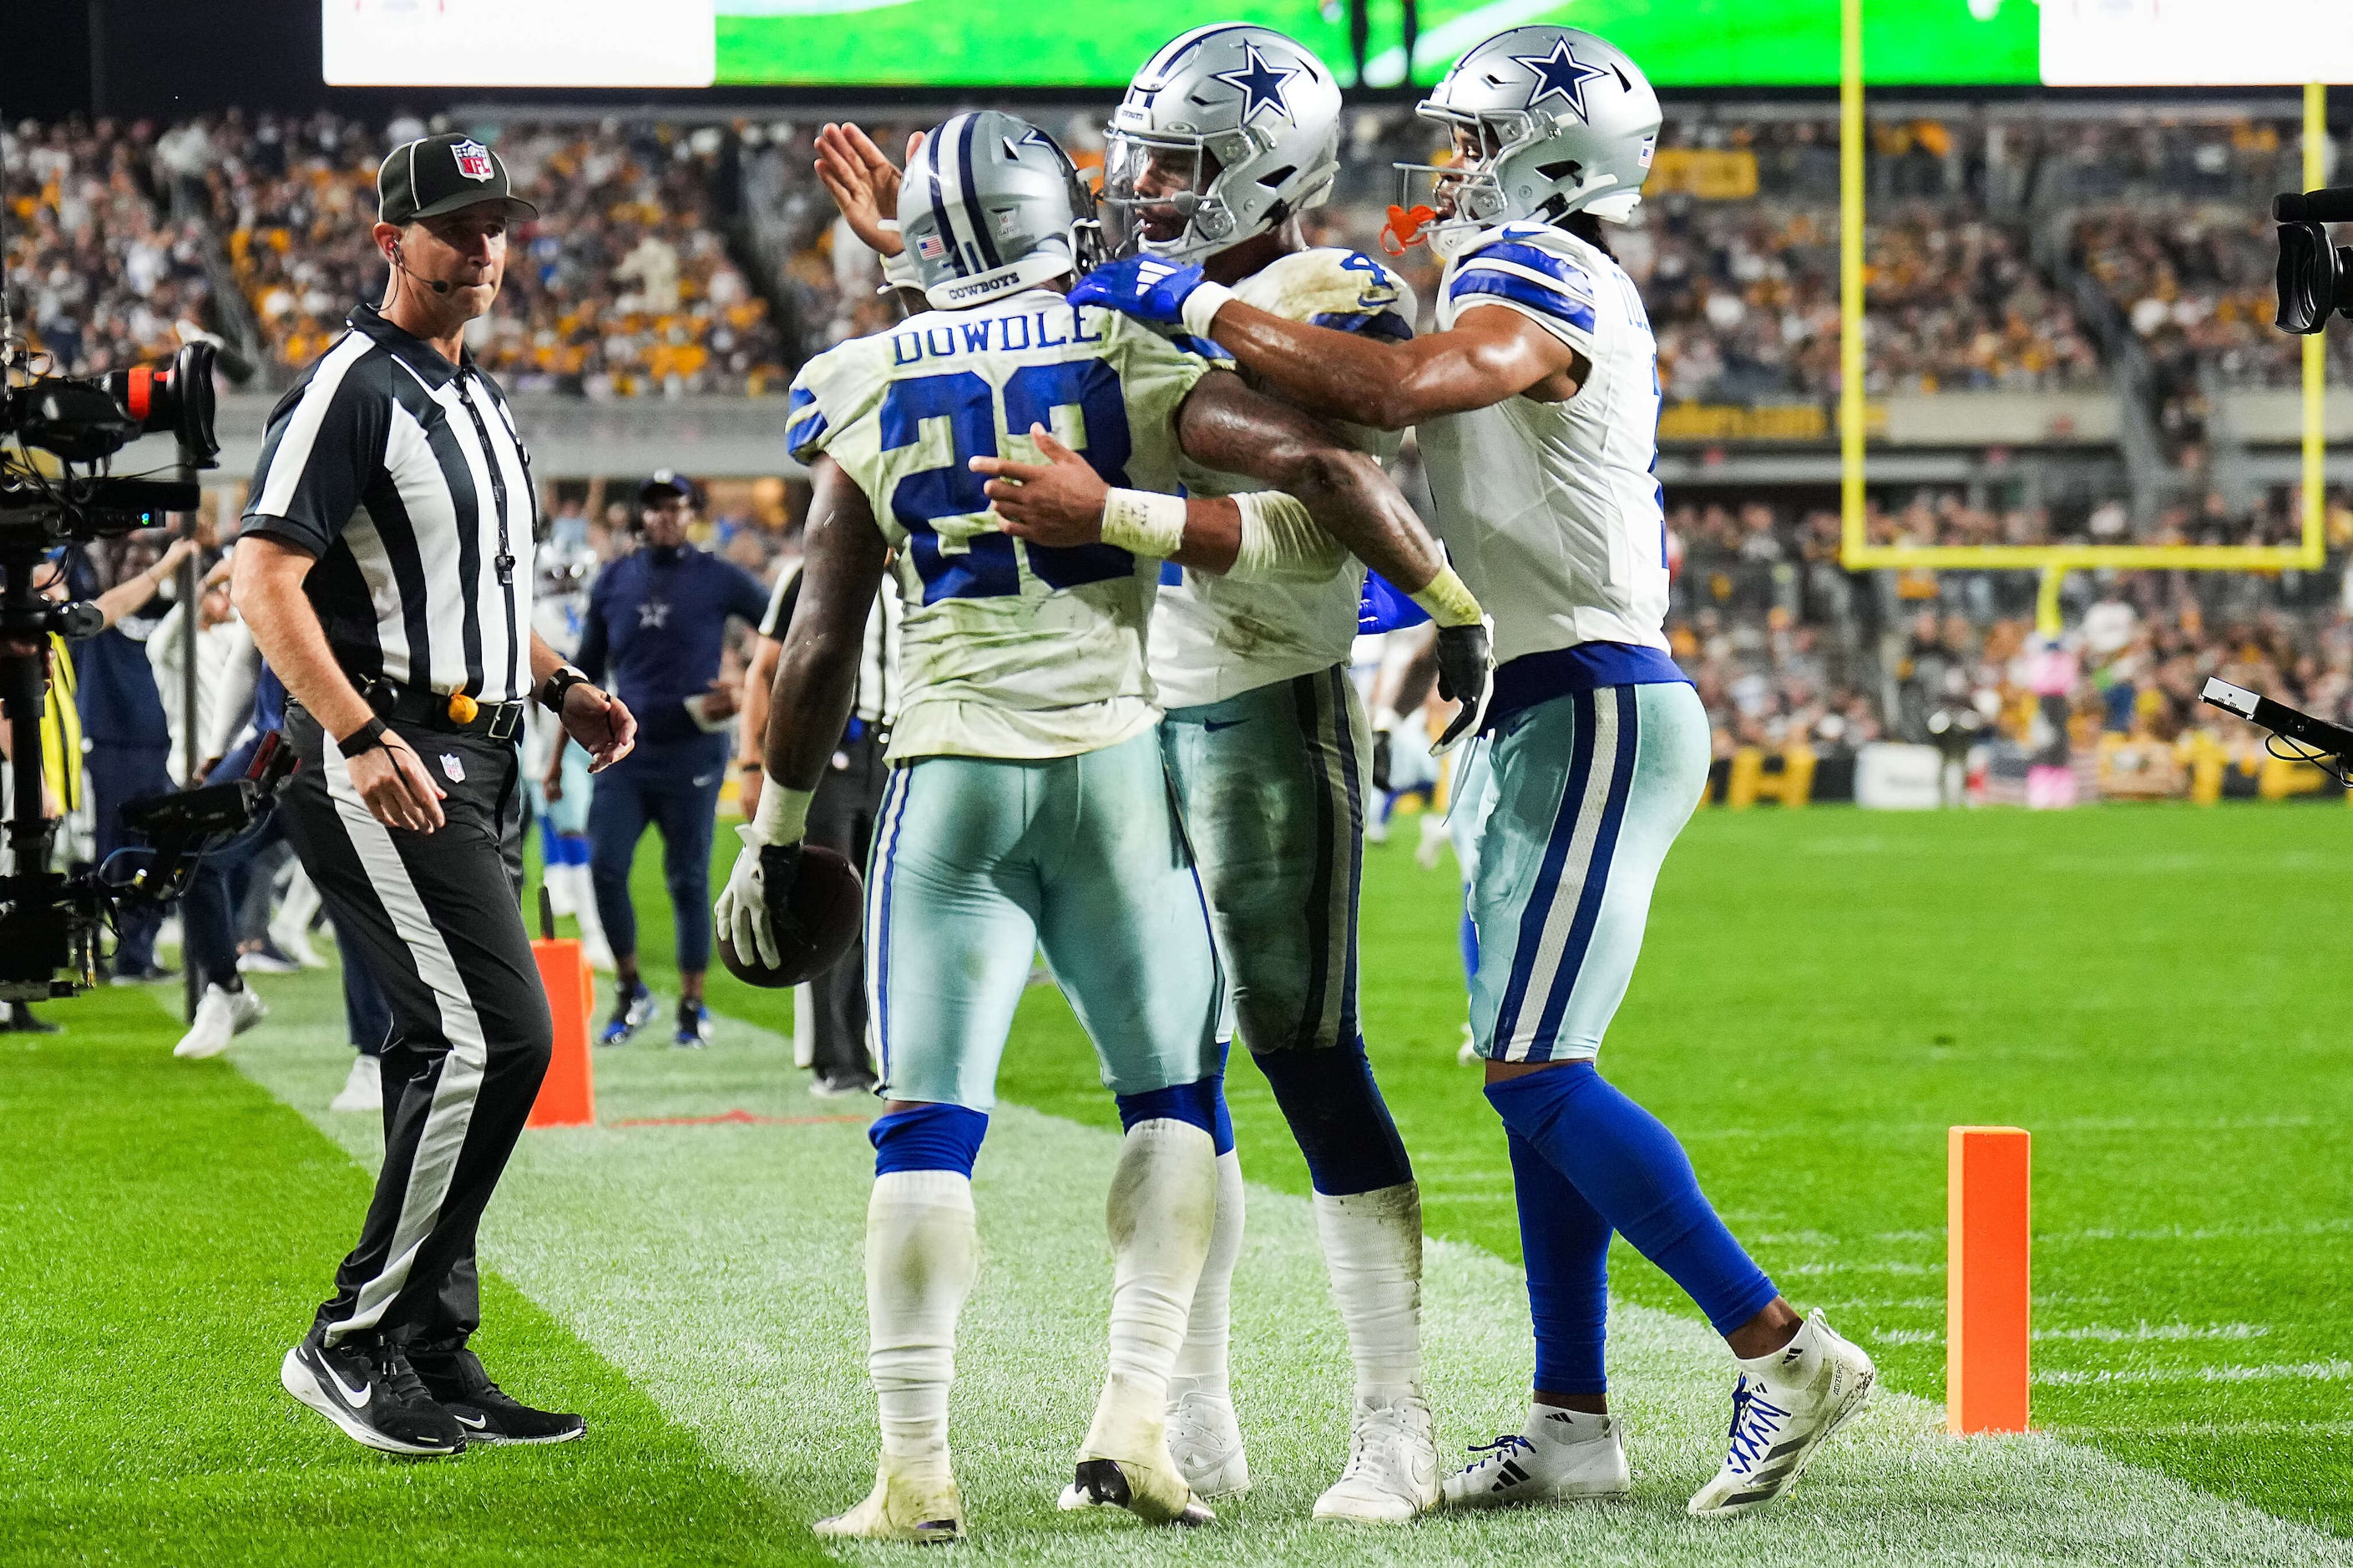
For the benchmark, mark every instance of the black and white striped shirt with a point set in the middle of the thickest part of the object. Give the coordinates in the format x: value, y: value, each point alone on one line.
x: 876, y: 699
x: 405, y: 478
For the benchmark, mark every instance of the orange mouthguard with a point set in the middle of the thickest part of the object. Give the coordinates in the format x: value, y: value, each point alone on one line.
x: 1404, y: 228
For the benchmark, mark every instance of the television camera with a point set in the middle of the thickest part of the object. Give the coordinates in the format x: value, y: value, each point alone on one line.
x: 2315, y: 277
x: 57, y: 438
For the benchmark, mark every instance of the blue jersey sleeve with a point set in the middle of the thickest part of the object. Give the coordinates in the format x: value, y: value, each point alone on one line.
x: 1555, y: 291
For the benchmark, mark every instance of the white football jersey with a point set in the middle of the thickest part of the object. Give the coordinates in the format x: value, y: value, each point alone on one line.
x: 1213, y: 637
x: 1553, y: 512
x: 1006, y: 649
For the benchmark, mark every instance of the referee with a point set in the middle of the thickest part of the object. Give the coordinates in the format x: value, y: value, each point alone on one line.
x: 385, y: 573
x: 842, y: 815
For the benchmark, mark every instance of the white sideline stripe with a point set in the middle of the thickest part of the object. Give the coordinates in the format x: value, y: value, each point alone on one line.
x: 2299, y: 1371
x: 2100, y: 1333
x: 722, y: 1276
x: 443, y: 1136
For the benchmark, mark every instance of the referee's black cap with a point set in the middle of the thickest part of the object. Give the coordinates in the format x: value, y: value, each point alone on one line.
x: 437, y: 174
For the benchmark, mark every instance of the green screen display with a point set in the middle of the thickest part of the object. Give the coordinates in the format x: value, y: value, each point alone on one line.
x: 1057, y: 43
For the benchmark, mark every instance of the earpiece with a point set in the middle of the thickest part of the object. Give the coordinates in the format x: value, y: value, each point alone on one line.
x: 437, y: 285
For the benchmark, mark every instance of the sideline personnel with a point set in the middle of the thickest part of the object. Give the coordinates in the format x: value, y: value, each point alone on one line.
x: 659, y: 617
x: 385, y: 572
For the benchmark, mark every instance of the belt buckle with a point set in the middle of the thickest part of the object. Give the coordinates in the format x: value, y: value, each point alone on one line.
x: 505, y: 721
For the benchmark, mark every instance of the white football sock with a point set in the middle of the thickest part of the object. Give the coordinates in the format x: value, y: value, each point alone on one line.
x: 1163, y: 1207
x: 584, y: 903
x: 921, y: 1245
x: 1201, y: 1362
x: 1372, y: 1246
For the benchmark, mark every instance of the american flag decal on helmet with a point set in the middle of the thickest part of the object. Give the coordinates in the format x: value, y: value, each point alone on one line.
x: 929, y: 247
x: 473, y: 160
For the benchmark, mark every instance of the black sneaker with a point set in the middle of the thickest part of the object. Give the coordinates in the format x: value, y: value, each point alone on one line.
x: 487, y: 1412
x: 374, y: 1394
x: 693, y: 1025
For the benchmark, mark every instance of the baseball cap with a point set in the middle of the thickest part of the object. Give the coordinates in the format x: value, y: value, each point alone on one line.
x: 664, y: 484
x: 437, y: 174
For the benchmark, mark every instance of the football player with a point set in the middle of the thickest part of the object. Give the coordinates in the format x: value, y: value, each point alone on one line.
x: 1029, y: 805
x: 1536, y: 404
x: 1224, y: 138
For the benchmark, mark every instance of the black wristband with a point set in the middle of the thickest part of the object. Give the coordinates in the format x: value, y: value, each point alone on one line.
x: 366, y: 738
x: 552, y: 689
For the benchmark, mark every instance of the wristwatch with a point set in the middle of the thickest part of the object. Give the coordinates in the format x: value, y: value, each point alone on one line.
x: 551, y: 690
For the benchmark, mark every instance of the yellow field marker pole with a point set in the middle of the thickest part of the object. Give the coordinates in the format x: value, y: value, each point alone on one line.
x: 1987, y: 1279
x: 2315, y: 354
x: 1853, y: 538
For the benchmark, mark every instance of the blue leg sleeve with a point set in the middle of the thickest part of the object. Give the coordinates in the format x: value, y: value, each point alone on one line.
x: 1201, y: 1102
x: 1337, y: 1114
x: 1631, y: 1170
x: 928, y: 1138
x: 1565, y: 1243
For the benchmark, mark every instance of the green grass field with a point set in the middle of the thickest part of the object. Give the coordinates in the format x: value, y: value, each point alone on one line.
x: 1823, y: 994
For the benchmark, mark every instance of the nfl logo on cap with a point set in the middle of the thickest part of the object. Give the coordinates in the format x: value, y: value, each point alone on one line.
x: 473, y: 160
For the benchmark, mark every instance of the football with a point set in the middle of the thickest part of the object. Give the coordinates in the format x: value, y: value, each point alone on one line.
x: 829, y: 900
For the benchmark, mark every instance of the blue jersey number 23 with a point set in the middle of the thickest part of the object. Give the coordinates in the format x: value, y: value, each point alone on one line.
x: 985, y: 567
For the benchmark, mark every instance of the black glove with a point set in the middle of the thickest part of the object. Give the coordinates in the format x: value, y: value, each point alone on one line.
x: 780, y: 870
x: 1465, y: 676
x: 1381, y: 744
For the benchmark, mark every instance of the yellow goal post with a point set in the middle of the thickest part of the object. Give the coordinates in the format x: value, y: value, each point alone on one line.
x: 1857, y: 552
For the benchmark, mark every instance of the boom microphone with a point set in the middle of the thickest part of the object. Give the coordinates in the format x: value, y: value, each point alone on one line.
x: 2320, y: 735
x: 2334, y: 205
x: 440, y: 286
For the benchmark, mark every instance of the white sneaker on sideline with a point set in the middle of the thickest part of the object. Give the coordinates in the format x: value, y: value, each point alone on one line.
x: 1392, y: 1472
x: 362, y: 1090
x: 1560, y: 1454
x: 221, y: 1015
x: 903, y: 1506
x: 295, y: 942
x: 1783, y: 1405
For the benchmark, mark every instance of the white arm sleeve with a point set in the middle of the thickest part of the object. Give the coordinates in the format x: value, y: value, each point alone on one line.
x: 1281, y: 543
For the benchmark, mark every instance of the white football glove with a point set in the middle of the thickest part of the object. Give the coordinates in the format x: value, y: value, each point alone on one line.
x: 742, y: 911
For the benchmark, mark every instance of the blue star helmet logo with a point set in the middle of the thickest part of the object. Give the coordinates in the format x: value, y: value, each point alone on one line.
x: 1261, y: 81
x: 1562, y: 75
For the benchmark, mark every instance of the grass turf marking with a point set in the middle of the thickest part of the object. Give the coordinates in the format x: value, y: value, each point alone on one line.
x: 166, y: 1230
x: 718, y: 1266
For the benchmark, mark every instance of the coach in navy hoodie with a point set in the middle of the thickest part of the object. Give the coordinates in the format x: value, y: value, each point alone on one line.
x: 657, y: 617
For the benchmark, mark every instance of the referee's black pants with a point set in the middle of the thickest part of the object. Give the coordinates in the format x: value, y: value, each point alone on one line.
x: 438, y: 919
x: 841, y: 817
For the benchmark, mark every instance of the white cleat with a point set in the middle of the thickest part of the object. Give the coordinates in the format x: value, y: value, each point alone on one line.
x: 1783, y: 1405
x: 1392, y: 1472
x: 1563, y: 1456
x: 905, y: 1505
x: 1206, y: 1443
x: 221, y: 1015
x: 295, y: 942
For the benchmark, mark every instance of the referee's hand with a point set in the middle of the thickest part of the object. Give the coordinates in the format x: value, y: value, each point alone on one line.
x: 601, y: 722
x: 392, y: 780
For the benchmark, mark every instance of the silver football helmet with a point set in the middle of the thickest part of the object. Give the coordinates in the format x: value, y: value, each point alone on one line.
x: 1225, y: 133
x: 1558, y: 121
x: 991, y: 205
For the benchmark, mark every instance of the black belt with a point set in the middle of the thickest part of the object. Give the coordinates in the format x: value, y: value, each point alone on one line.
x: 430, y: 710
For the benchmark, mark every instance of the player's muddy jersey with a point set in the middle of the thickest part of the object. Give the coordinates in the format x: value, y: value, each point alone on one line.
x: 1552, y: 511
x: 1008, y: 649
x: 1213, y: 637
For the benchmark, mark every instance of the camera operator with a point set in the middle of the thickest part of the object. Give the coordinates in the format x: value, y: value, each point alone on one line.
x: 385, y: 571
x: 128, y: 735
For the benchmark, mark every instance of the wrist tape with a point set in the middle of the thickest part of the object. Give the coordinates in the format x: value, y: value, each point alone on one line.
x: 1449, y: 600
x: 1144, y: 523
x: 1280, y: 543
x: 783, y: 816
x: 1202, y: 305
